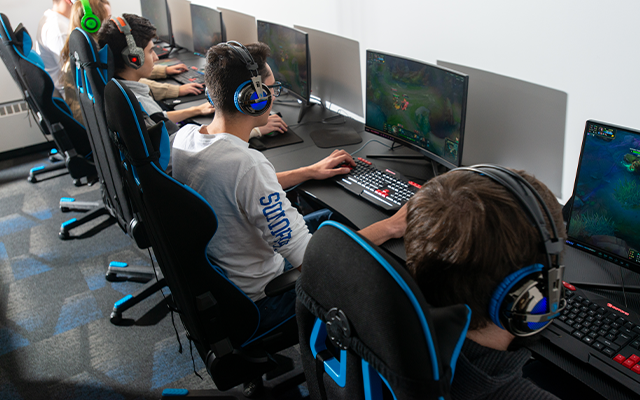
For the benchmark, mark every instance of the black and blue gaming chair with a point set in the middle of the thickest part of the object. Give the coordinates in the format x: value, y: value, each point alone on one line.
x: 366, y: 331
x: 51, y: 111
x: 220, y: 319
x: 93, y: 68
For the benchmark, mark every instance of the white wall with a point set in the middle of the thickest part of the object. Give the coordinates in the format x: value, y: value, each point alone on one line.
x: 586, y: 48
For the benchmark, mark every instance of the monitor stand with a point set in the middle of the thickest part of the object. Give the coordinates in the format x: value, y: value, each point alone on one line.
x: 304, y: 106
x: 435, y: 166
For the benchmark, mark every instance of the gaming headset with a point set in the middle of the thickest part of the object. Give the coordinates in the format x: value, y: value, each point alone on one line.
x: 252, y: 97
x: 528, y: 299
x: 132, y: 55
x: 90, y: 22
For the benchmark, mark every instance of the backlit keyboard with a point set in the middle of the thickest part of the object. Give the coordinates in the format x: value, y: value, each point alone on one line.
x: 190, y: 76
x: 598, y: 331
x: 385, y: 188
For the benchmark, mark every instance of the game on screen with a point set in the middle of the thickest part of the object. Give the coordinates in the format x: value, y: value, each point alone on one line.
x: 606, y: 206
x: 417, y: 103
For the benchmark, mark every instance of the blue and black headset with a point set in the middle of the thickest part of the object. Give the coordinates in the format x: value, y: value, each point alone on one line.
x: 252, y: 97
x: 528, y: 299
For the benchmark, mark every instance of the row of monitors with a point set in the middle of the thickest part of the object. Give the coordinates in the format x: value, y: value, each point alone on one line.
x: 420, y: 105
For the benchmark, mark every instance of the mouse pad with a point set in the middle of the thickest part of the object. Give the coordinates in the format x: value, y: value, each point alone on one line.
x: 335, y: 137
x: 283, y: 139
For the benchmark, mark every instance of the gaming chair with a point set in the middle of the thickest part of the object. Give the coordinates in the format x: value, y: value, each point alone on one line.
x: 220, y: 319
x: 49, y: 109
x: 366, y: 331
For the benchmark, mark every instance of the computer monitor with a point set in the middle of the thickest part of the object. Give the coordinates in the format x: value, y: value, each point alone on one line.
x: 208, y: 28
x: 604, y: 213
x: 289, y: 58
x: 157, y: 12
x: 336, y: 76
x: 419, y: 105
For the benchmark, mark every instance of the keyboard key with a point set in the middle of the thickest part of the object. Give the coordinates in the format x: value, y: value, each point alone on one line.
x: 610, y: 337
x: 634, y: 357
x: 622, y: 339
x: 597, y: 345
x: 601, y: 311
x: 629, y: 364
x: 619, y: 358
x: 629, y: 325
x: 593, y: 335
x: 608, y: 351
x: 578, y: 334
x: 588, y: 339
x: 635, y: 344
x: 636, y: 330
x: 562, y: 325
x: 593, y: 307
x: 636, y: 369
x: 608, y: 343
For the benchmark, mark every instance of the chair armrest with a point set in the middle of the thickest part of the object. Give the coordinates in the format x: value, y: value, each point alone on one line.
x: 282, y: 283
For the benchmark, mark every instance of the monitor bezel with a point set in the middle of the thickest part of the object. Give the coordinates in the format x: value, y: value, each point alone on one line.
x: 579, y: 244
x: 223, y: 35
x: 307, y: 99
x: 432, y: 156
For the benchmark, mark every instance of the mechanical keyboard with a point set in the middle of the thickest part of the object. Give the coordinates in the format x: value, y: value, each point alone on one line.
x: 161, y: 52
x: 190, y: 76
x: 386, y: 188
x: 601, y: 333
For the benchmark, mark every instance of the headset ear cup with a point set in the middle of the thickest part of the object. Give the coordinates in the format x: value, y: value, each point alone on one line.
x: 243, y: 96
x: 496, y: 304
x: 90, y: 23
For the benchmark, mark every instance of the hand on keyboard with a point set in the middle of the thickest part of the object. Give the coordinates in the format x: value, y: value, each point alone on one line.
x: 331, y: 165
x: 176, y: 69
x: 191, y: 88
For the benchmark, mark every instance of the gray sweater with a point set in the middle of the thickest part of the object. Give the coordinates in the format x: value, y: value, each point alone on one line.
x: 484, y: 373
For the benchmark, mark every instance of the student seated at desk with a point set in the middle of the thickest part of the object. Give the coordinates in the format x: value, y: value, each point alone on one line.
x: 102, y: 10
x: 465, y: 234
x: 139, y: 64
x: 259, y: 234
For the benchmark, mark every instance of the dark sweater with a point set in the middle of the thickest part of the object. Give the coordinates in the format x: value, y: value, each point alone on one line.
x: 484, y: 373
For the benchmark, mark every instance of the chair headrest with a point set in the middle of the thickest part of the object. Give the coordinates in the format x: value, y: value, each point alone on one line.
x: 125, y: 118
x: 20, y: 40
x: 87, y: 55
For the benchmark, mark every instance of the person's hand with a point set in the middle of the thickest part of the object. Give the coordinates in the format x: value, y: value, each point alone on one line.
x: 326, y: 168
x: 190, y: 88
x: 176, y: 69
x: 275, y: 124
x: 205, y: 109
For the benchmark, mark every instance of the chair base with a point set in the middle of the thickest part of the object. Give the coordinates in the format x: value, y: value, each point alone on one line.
x: 131, y: 300
x: 42, y: 169
x: 67, y: 226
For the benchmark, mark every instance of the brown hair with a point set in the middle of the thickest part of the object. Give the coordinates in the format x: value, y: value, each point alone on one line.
x: 466, y: 233
x: 226, y: 71
x: 77, y: 12
x: 142, y: 31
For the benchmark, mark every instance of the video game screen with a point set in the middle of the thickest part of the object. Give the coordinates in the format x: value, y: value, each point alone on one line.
x: 289, y: 59
x: 606, y: 206
x: 206, y: 25
x: 420, y: 104
x: 156, y: 12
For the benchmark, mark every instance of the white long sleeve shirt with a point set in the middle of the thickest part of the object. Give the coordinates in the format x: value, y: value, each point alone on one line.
x: 53, y: 30
x: 257, y: 226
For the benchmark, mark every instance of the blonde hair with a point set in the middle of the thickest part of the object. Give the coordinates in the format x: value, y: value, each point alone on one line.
x: 77, y: 12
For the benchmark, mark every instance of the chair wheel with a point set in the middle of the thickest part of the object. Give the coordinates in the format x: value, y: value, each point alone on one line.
x: 64, y: 209
x: 32, y: 179
x: 111, y: 278
x: 77, y: 182
x: 63, y: 235
x: 115, y: 318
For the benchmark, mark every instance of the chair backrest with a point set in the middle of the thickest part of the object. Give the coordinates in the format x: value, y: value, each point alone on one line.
x: 39, y: 89
x: 180, y: 224
x: 365, y: 327
x: 92, y: 69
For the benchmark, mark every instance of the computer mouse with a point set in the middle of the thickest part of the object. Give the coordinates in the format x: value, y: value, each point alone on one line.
x: 255, y: 143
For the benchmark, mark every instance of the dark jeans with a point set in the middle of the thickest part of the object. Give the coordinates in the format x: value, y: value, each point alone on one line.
x: 277, y: 309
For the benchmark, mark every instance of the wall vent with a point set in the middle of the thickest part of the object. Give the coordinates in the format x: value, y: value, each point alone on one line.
x: 16, y: 107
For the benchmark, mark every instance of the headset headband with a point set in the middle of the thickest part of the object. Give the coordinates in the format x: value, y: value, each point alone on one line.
x: 133, y: 55
x: 251, y: 65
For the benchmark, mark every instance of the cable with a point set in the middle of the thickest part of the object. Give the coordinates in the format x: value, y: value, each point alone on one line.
x: 369, y: 141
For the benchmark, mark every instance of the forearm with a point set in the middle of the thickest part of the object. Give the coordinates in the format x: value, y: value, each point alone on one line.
x: 291, y: 178
x: 384, y: 230
x: 180, y: 115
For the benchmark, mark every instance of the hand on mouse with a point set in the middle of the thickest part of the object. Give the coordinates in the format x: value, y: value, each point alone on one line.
x: 275, y: 124
x: 190, y: 88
